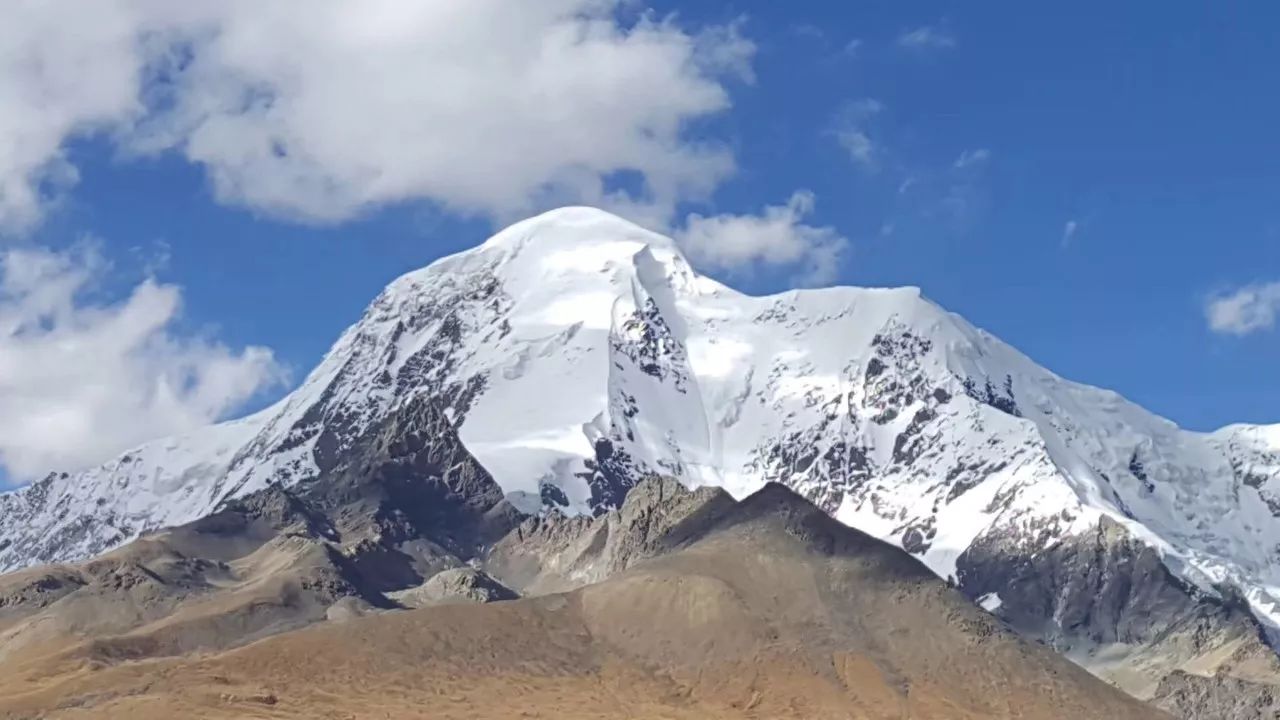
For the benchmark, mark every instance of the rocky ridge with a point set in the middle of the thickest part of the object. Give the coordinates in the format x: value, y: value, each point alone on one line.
x: 273, y: 606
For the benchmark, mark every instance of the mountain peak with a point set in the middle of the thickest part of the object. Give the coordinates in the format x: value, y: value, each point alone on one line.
x: 576, y: 354
x: 574, y: 215
x: 577, y: 224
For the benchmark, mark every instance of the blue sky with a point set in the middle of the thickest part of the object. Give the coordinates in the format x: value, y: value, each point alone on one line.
x: 1082, y: 180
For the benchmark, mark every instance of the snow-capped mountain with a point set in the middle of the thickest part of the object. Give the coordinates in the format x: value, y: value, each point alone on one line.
x: 578, y: 353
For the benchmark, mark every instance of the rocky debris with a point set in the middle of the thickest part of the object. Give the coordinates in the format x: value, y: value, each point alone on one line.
x: 264, y: 514
x: 40, y: 587
x: 1217, y: 697
x: 348, y: 608
x: 459, y: 585
x: 553, y: 553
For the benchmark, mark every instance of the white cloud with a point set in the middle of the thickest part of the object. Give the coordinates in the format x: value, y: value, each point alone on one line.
x: 1246, y: 310
x: 81, y: 380
x: 724, y: 50
x: 64, y: 69
x: 1069, y: 232
x: 927, y: 37
x: 858, y: 144
x: 972, y: 158
x: 318, y: 111
x: 777, y: 238
x: 852, y: 131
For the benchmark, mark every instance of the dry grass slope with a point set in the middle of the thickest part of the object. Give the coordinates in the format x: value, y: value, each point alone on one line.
x: 776, y: 612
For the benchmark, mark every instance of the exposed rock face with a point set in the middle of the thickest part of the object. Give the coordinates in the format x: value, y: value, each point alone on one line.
x: 406, y: 502
x: 554, y: 553
x: 1108, y: 602
x: 459, y: 585
x: 1100, y: 587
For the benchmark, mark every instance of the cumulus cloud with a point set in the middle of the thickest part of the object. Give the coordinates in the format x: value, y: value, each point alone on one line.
x: 1246, y: 310
x: 318, y: 111
x: 927, y: 37
x: 64, y: 70
x: 853, y: 131
x: 776, y: 238
x: 82, y: 379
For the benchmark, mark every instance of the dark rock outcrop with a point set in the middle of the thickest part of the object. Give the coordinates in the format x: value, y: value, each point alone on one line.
x: 1107, y: 601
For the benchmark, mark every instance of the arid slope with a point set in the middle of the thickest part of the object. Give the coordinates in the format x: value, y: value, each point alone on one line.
x: 765, y: 609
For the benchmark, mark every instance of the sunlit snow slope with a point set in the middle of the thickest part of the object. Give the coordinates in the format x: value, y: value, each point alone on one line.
x: 578, y: 353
